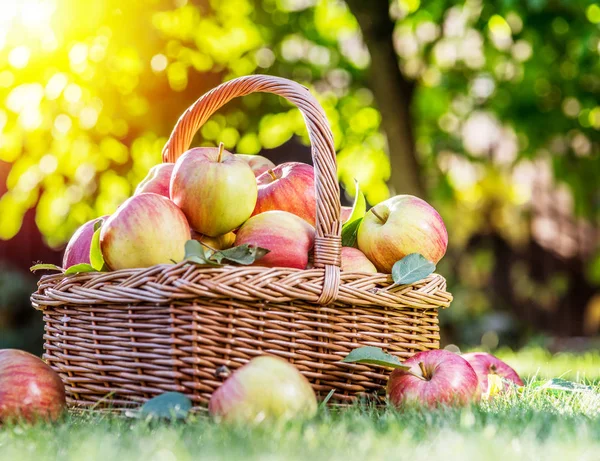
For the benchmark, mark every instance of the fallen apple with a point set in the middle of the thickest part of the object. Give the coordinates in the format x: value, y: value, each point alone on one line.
x: 257, y: 163
x: 157, y: 181
x: 29, y: 388
x: 220, y: 242
x: 288, y: 187
x: 400, y: 226
x: 78, y: 248
x: 354, y: 260
x: 146, y: 230
x: 267, y: 388
x: 436, y: 378
x: 215, y: 189
x: 287, y: 237
x: 486, y: 364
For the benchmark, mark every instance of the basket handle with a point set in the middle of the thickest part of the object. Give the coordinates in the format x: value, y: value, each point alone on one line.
x: 327, y: 251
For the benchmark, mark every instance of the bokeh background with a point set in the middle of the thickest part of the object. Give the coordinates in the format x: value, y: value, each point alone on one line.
x: 489, y: 109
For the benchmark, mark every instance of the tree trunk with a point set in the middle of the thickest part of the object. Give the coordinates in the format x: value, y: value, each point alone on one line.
x: 392, y: 92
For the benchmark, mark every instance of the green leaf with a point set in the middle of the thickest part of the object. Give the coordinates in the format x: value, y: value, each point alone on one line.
x: 349, y: 233
x: 96, y: 258
x: 411, y: 269
x: 559, y: 384
x: 170, y: 405
x: 359, y: 208
x: 79, y: 268
x: 243, y: 254
x: 46, y: 267
x: 374, y: 356
x: 196, y: 253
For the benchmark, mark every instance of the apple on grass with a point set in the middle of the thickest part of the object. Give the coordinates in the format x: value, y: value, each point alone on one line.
x: 398, y: 227
x: 29, y: 388
x: 486, y: 364
x: 288, y: 238
x: 146, y: 230
x: 157, y: 181
x: 354, y: 260
x: 215, y: 190
x: 78, y: 248
x: 435, y: 378
x: 257, y: 163
x: 288, y: 187
x: 267, y: 388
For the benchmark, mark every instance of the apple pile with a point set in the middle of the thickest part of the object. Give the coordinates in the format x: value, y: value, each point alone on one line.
x: 225, y: 200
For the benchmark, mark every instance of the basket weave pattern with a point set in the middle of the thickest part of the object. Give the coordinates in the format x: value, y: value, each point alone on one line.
x: 129, y: 335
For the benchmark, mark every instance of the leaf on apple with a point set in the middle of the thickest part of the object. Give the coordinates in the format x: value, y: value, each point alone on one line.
x: 170, y: 405
x: 195, y: 252
x: 374, y: 356
x: 46, y: 267
x: 96, y: 258
x: 411, y: 269
x: 80, y: 268
x: 349, y: 233
x: 243, y: 254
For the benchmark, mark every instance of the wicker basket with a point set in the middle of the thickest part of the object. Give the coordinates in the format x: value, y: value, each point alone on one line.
x: 126, y: 336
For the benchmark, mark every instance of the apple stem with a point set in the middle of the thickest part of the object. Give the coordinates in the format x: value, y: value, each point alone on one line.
x: 272, y: 174
x: 493, y: 369
x: 378, y: 217
x: 221, y: 147
x: 422, y: 367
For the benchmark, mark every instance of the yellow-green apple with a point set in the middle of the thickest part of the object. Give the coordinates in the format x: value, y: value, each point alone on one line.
x: 288, y: 187
x: 157, y: 181
x: 258, y: 163
x: 345, y: 213
x: 287, y: 237
x: 399, y: 226
x: 29, y: 388
x: 354, y: 260
x: 78, y: 248
x: 220, y: 242
x: 147, y: 229
x: 435, y: 378
x: 486, y: 364
x: 268, y: 389
x: 215, y: 189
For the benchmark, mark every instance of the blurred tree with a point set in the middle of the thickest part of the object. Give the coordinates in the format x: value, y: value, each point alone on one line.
x: 477, y: 100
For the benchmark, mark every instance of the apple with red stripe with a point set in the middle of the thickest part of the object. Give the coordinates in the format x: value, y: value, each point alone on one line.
x: 354, y: 260
x: 29, y: 388
x: 258, y: 164
x: 78, y: 248
x: 486, y: 364
x: 157, y: 181
x: 399, y: 226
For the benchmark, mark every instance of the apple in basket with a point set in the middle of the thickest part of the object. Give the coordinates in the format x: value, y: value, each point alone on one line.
x: 436, y: 378
x: 157, y: 181
x: 399, y: 226
x: 354, y: 260
x: 288, y: 187
x: 267, y: 388
x: 78, y: 248
x: 486, y: 364
x: 29, y: 389
x: 257, y: 163
x: 220, y: 242
x: 287, y: 237
x: 345, y: 213
x: 147, y: 229
x: 215, y: 189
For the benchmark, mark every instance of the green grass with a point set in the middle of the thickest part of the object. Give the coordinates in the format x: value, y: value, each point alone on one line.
x: 533, y: 424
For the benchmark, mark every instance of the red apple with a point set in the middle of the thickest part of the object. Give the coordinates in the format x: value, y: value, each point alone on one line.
x: 157, y: 181
x: 288, y: 237
x: 265, y: 389
x: 288, y: 187
x: 400, y: 226
x: 78, y: 248
x: 220, y: 242
x: 258, y: 163
x: 435, y: 378
x: 146, y: 230
x: 486, y: 364
x: 29, y: 389
x: 354, y: 260
x: 345, y: 213
x: 215, y: 189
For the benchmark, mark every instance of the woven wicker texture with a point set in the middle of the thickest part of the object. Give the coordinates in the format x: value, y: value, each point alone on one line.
x: 128, y: 335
